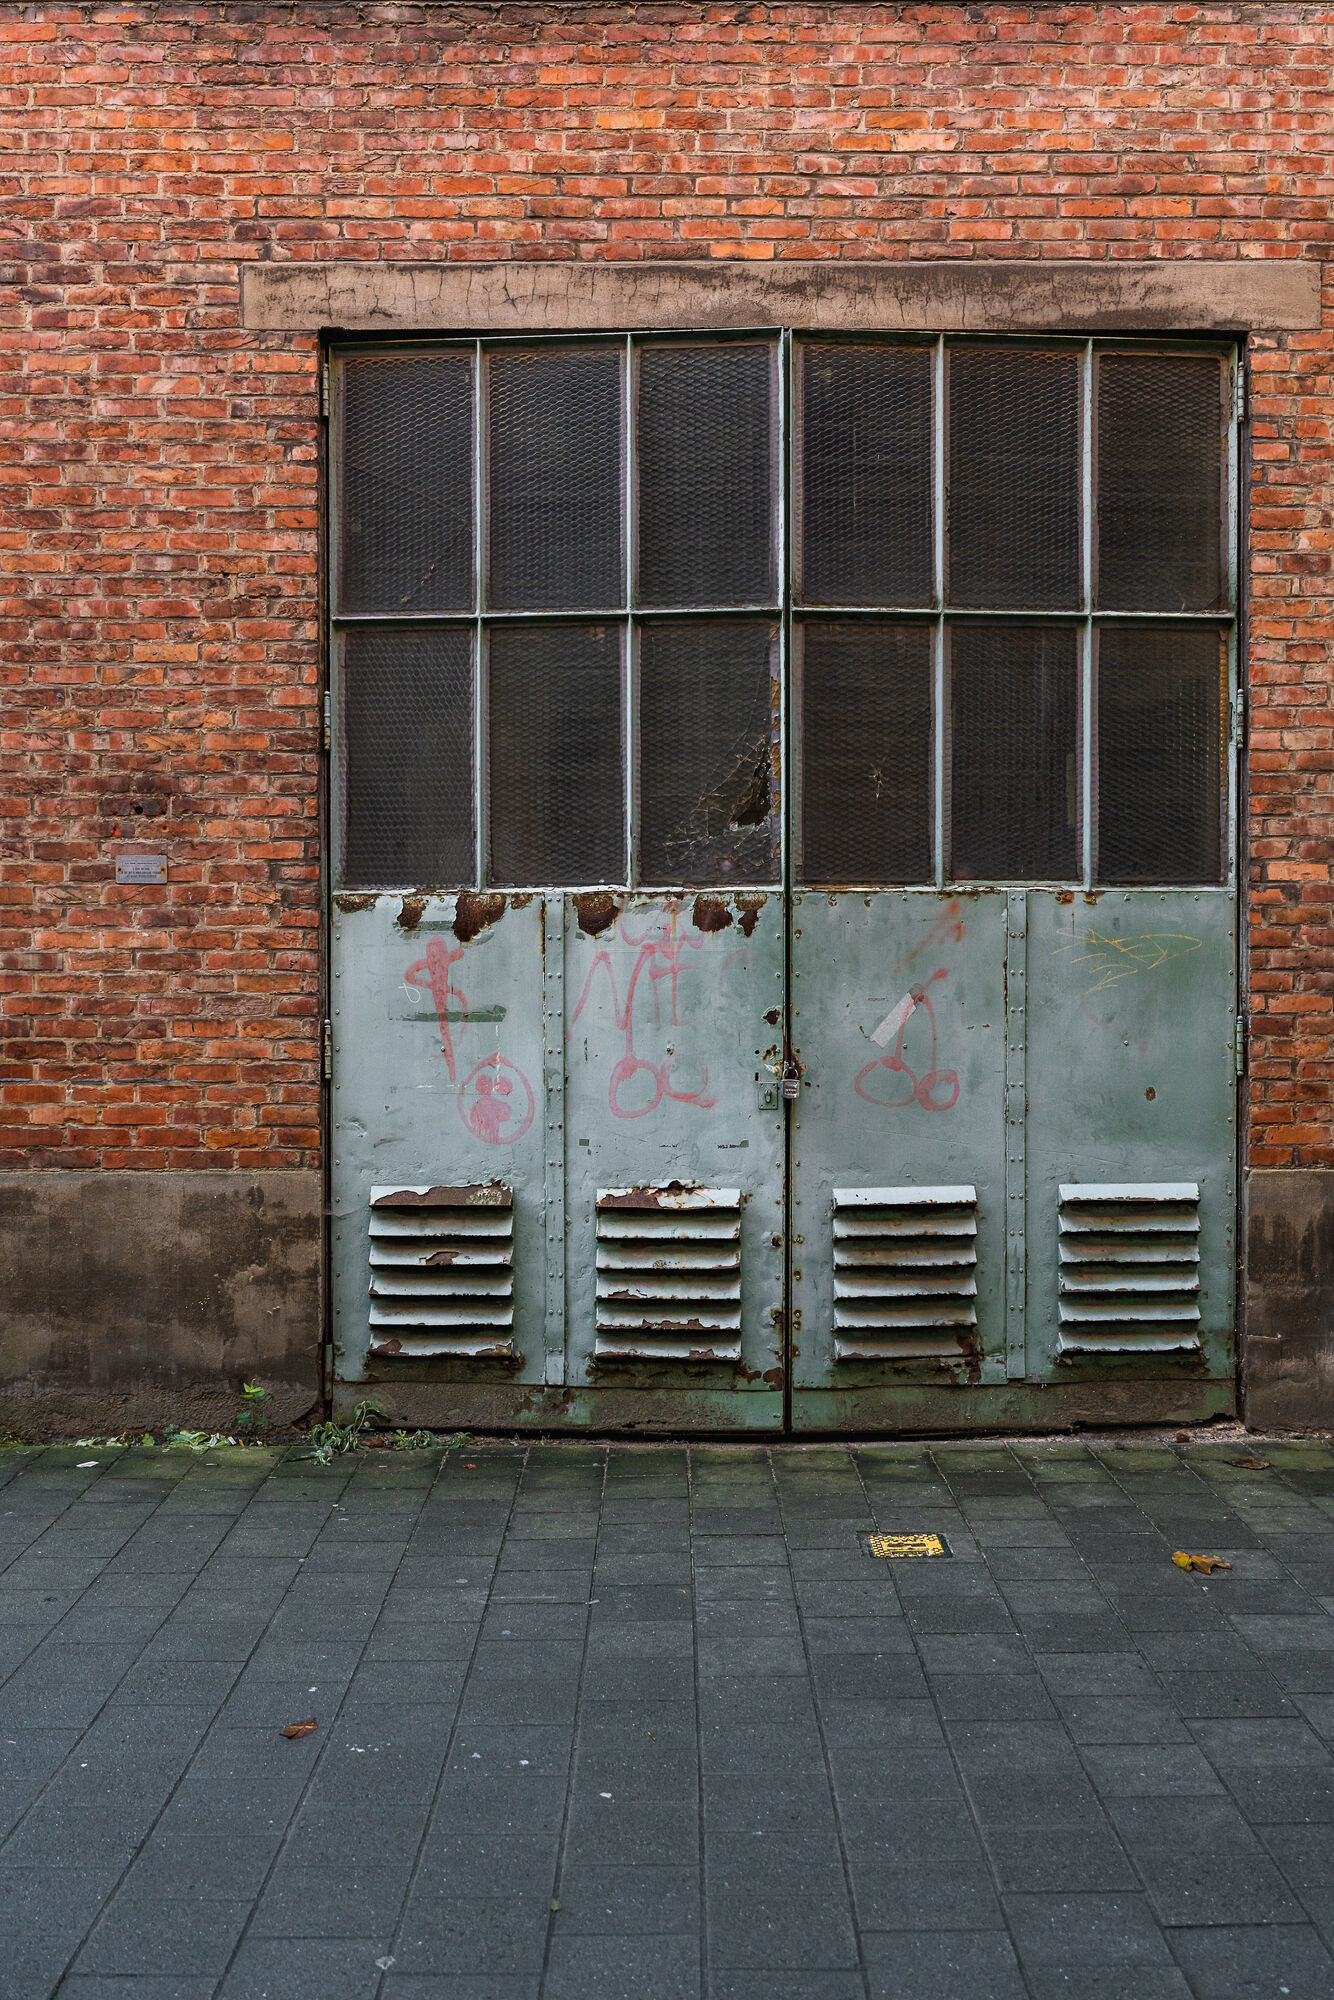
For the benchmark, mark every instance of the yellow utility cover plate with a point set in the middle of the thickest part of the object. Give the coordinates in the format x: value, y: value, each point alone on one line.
x: 905, y: 1545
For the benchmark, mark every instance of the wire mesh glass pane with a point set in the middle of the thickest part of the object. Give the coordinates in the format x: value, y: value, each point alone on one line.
x: 556, y: 798
x: 865, y: 737
x: 406, y: 764
x: 865, y: 478
x: 705, y: 442
x: 1161, y: 705
x: 1013, y: 536
x: 405, y: 529
x: 1013, y: 762
x: 1160, y: 482
x: 554, y: 417
x: 708, y: 731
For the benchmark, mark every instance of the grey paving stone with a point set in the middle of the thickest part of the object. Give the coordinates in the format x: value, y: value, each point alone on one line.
x: 1075, y: 1931
x: 1016, y: 1697
x: 201, y: 1867
x: 1083, y: 1857
x: 464, y: 1986
x: 1304, y: 1852
x: 135, y: 1986
x: 177, y: 1937
x: 1201, y: 1863
x: 613, y: 1899
x: 622, y: 1968
x: 353, y: 1897
x: 1244, y: 1962
x: 791, y: 1986
x: 1144, y: 1770
x: 305, y: 1969
x: 1179, y: 1688
x: 958, y: 1965
x: 446, y: 1933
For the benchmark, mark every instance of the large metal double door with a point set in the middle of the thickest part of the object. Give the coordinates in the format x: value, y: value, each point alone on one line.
x: 870, y: 1063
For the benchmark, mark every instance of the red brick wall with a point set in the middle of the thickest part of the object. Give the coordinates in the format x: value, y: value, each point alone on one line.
x: 159, y: 532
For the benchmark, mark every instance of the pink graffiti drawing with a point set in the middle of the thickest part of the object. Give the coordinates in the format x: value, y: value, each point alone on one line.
x: 432, y: 975
x: 936, y: 1089
x: 660, y: 957
x: 488, y: 1110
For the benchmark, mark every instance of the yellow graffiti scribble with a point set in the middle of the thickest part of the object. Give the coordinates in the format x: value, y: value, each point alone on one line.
x: 1121, y: 958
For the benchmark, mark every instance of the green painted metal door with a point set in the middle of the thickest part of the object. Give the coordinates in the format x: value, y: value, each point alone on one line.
x: 1013, y: 958
x: 783, y: 935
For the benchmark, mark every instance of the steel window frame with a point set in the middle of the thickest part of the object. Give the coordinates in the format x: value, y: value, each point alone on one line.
x: 787, y: 609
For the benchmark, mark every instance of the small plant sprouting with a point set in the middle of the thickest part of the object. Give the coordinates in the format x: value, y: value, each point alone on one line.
x: 332, y: 1438
x: 411, y: 1440
x: 253, y: 1416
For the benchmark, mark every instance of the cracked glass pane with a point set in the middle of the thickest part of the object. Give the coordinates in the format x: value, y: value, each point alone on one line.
x: 708, y: 736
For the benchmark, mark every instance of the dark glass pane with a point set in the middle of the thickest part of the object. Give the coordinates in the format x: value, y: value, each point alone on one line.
x: 706, y: 474
x: 708, y: 724
x: 407, y: 758
x: 1160, y: 475
x: 1014, y: 477
x: 554, y: 415
x: 405, y: 538
x: 554, y: 702
x: 1161, y: 703
x: 1013, y: 778
x: 865, y: 736
x: 865, y: 496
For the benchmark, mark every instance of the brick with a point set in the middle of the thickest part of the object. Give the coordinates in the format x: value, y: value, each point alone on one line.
x: 159, y: 549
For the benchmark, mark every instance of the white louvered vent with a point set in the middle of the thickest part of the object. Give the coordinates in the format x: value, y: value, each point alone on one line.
x: 1130, y: 1268
x: 669, y: 1273
x: 905, y: 1273
x: 442, y: 1279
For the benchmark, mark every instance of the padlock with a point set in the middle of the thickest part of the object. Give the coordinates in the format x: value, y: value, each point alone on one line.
x: 791, y: 1081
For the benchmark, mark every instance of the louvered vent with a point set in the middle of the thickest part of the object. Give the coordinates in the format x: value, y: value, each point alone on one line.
x: 1130, y: 1268
x: 442, y: 1279
x: 669, y: 1273
x: 905, y: 1272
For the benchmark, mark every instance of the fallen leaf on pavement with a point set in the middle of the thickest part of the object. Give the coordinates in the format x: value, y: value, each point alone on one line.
x: 1251, y: 1464
x: 301, y: 1728
x: 1206, y: 1564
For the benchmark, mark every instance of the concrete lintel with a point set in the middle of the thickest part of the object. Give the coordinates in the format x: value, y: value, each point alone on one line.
x: 1160, y: 295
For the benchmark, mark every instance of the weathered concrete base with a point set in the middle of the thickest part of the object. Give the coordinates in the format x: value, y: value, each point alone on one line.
x: 1288, y: 1357
x: 135, y: 1300
x: 1017, y: 1407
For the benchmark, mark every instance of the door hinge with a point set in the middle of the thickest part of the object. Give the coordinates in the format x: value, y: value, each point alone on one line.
x: 326, y: 1051
x: 324, y: 386
x: 328, y: 720
x: 1239, y: 1044
x: 1243, y: 393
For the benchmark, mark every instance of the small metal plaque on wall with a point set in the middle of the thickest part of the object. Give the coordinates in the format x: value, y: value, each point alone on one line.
x: 141, y: 867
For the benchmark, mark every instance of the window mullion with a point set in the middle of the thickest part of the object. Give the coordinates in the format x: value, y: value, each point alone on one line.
x: 1086, y: 806
x: 630, y: 663
x: 481, y: 749
x: 939, y: 734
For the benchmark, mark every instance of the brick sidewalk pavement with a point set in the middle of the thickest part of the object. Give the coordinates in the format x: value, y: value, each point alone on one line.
x: 602, y: 1721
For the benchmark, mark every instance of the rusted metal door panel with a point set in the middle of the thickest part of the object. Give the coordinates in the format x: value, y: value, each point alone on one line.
x: 557, y: 1176
x: 898, y: 1149
x: 438, y: 1060
x: 674, y: 1154
x: 1130, y: 1136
